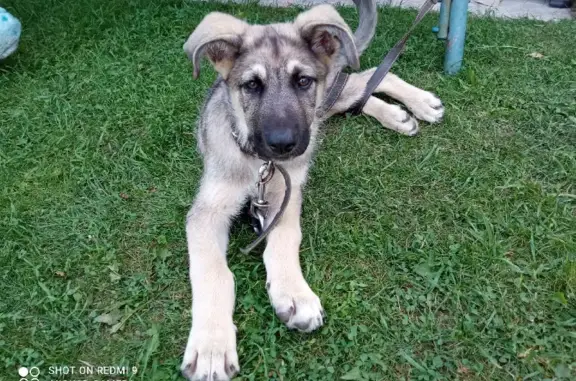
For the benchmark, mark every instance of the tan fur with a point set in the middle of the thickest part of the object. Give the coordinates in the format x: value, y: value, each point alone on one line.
x: 325, y: 16
x: 215, y: 26
x: 272, y: 53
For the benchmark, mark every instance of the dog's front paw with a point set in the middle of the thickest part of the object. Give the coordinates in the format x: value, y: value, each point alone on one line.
x: 426, y: 106
x: 401, y: 121
x: 296, y: 304
x: 211, y: 353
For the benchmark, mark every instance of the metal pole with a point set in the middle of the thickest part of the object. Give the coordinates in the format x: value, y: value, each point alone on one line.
x: 456, y: 36
x: 444, y: 19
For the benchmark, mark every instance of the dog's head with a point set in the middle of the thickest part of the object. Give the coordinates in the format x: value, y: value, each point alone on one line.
x: 275, y: 74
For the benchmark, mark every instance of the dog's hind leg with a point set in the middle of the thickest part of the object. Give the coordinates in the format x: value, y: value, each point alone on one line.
x: 211, y: 350
x: 390, y: 116
x: 293, y: 300
x: 423, y: 104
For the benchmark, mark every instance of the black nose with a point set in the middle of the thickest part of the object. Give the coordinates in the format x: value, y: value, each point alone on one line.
x: 281, y: 140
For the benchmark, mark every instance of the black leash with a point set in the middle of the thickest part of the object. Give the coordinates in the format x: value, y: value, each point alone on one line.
x: 339, y: 83
x: 258, y: 205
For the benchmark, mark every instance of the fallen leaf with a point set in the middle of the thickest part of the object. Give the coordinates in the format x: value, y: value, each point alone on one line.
x: 110, y: 318
x: 124, y: 196
x: 536, y: 55
x: 116, y: 327
x: 61, y: 274
x: 114, y: 275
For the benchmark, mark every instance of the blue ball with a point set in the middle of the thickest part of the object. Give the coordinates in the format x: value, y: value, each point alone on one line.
x: 10, y: 29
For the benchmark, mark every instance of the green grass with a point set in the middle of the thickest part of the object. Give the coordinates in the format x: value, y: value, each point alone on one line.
x: 451, y: 255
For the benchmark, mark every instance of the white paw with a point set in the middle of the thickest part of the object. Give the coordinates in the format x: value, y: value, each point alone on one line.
x: 211, y: 353
x: 426, y: 106
x: 396, y: 118
x: 295, y: 304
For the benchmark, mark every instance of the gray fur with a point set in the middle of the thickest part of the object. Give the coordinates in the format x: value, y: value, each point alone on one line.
x: 368, y: 19
x: 368, y: 16
x: 272, y: 79
x: 275, y: 49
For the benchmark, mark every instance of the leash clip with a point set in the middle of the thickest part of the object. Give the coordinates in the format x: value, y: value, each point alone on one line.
x: 259, y: 205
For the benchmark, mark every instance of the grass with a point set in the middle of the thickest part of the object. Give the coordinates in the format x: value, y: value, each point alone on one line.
x: 451, y: 255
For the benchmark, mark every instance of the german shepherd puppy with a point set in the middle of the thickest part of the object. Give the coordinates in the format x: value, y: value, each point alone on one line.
x: 272, y: 80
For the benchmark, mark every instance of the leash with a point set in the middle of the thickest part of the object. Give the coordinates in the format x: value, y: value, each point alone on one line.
x: 259, y: 206
x: 341, y: 79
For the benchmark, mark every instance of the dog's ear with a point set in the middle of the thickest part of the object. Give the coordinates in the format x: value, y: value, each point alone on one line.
x: 219, y: 36
x: 328, y: 34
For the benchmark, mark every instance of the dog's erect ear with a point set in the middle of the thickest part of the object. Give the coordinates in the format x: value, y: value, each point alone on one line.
x: 328, y: 34
x: 219, y: 36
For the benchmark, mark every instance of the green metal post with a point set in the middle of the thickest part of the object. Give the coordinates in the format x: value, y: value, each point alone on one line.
x: 456, y: 36
x: 444, y: 19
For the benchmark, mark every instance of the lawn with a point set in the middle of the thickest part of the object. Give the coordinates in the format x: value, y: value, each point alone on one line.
x: 450, y: 255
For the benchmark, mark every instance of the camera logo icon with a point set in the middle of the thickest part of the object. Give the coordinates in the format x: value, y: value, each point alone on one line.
x: 33, y: 372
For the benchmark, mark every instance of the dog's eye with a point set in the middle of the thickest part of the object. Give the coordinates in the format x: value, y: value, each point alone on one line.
x: 252, y: 85
x: 304, y: 82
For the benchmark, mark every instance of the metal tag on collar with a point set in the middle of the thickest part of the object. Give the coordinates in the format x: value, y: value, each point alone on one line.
x: 259, y: 205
